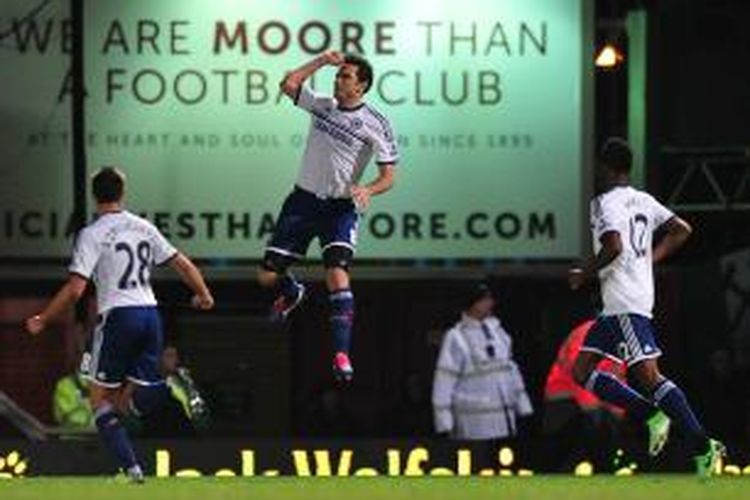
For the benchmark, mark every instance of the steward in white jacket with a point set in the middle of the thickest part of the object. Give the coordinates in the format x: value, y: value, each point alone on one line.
x: 478, y: 391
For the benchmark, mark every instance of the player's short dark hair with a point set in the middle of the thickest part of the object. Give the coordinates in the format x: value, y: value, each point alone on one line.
x: 616, y: 155
x: 108, y: 185
x: 364, y: 69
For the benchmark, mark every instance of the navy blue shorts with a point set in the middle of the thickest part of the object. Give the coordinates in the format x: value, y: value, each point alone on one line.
x: 126, y: 345
x: 624, y: 337
x: 304, y: 216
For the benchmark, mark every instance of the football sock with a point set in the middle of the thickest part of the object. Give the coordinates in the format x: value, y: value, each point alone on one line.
x: 115, y: 437
x: 672, y: 401
x: 342, y: 319
x: 608, y: 388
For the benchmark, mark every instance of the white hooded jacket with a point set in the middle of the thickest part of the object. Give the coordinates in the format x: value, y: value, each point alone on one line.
x: 478, y: 391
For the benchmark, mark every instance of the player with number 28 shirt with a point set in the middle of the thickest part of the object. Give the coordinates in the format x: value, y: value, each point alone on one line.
x: 117, y: 252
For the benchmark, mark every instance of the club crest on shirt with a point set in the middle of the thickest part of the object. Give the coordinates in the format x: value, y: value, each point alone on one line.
x: 355, y: 123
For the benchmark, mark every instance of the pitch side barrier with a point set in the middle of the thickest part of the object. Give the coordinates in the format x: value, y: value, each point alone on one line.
x: 305, y: 458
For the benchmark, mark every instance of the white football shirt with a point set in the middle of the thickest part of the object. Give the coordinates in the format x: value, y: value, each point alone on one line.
x: 117, y: 252
x: 627, y: 283
x: 340, y: 144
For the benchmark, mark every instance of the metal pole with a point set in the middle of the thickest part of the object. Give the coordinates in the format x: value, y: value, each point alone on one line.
x: 78, y: 126
x: 78, y: 117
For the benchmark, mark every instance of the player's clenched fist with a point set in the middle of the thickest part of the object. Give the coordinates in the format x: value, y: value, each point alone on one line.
x: 334, y: 58
x: 35, y: 324
x: 360, y: 197
x: 203, y: 302
x: 576, y: 278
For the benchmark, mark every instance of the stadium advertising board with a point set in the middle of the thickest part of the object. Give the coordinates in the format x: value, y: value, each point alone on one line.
x: 216, y: 457
x: 487, y: 99
x: 306, y: 458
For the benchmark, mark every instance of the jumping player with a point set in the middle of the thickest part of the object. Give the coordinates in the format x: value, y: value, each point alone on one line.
x: 344, y: 134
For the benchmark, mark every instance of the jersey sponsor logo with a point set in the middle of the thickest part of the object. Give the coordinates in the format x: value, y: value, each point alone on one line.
x: 340, y: 127
x: 333, y: 132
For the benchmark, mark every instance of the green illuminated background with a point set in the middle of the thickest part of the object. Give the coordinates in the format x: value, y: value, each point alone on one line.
x: 487, y: 97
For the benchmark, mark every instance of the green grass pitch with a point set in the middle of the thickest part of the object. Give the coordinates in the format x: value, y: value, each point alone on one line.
x: 532, y: 488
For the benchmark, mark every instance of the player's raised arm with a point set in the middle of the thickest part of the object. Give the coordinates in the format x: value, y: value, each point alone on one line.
x: 678, y: 232
x: 294, y: 79
x: 68, y: 295
x: 193, y: 278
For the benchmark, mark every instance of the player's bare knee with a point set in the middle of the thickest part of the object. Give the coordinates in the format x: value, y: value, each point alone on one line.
x: 100, y: 396
x: 274, y: 265
x: 337, y: 259
x: 123, y: 396
x: 647, y: 374
x: 266, y: 278
x: 337, y: 278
